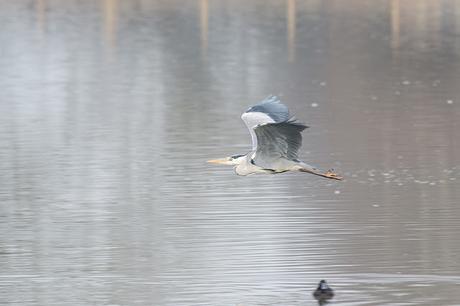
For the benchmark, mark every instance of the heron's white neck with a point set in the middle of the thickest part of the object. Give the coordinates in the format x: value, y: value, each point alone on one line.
x: 240, y: 160
x: 245, y: 167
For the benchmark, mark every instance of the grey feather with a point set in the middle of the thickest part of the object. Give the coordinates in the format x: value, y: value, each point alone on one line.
x: 273, y: 107
x: 278, y: 141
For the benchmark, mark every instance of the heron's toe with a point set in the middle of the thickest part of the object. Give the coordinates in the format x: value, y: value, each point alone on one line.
x: 331, y: 174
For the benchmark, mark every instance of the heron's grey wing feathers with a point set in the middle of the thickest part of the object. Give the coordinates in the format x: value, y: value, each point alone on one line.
x: 272, y: 107
x: 277, y: 140
x: 270, y: 110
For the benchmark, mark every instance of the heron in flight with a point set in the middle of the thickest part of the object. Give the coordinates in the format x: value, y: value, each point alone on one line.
x: 276, y: 140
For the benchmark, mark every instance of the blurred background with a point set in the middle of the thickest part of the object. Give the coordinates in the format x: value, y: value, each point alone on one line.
x: 109, y: 110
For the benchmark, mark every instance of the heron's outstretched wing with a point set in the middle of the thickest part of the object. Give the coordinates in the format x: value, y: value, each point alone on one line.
x: 277, y: 140
x: 270, y: 110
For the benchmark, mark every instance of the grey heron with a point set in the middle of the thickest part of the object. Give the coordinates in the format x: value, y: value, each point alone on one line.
x: 276, y: 139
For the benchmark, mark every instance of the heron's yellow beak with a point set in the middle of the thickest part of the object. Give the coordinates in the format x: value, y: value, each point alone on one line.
x: 221, y: 161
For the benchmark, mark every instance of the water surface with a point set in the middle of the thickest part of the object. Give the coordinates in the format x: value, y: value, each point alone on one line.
x: 109, y: 110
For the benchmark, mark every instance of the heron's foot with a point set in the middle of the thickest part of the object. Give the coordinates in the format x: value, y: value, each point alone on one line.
x: 332, y: 175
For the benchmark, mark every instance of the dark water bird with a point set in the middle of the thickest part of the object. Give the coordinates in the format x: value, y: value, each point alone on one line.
x: 276, y: 140
x: 323, y: 293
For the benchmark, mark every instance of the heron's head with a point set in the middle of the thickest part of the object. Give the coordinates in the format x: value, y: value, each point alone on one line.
x: 233, y: 160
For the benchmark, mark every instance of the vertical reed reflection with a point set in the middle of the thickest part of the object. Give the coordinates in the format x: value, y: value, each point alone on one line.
x: 291, y: 28
x: 434, y: 23
x: 110, y: 22
x: 456, y: 20
x: 204, y: 26
x: 395, y: 25
x: 41, y: 16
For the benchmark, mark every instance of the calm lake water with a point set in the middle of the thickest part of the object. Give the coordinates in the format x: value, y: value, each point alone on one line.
x: 109, y: 110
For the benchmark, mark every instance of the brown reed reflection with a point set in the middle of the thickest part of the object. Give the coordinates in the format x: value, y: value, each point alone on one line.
x: 110, y: 22
x: 204, y: 17
x: 395, y: 24
x: 41, y: 15
x: 291, y: 28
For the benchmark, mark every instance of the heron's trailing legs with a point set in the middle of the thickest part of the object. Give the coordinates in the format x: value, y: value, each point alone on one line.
x: 330, y: 174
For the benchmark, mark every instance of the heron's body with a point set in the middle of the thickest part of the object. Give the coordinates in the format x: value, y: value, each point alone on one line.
x: 276, y: 139
x: 247, y: 166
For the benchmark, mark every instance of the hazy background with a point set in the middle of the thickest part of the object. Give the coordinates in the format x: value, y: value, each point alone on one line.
x: 109, y: 110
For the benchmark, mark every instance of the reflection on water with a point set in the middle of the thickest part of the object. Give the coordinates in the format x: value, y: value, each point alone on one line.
x: 204, y: 25
x: 291, y: 27
x: 109, y: 110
